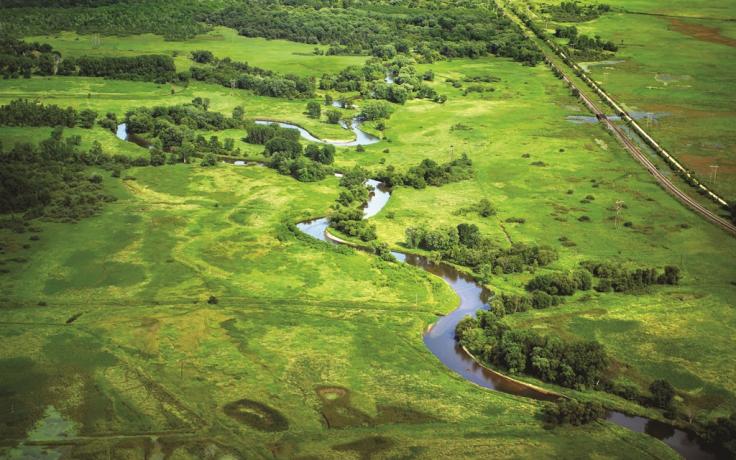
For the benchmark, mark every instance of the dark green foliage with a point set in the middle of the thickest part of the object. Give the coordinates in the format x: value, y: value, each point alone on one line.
x: 260, y: 134
x: 507, y: 304
x: 662, y: 393
x: 484, y: 208
x: 464, y: 245
x: 333, y: 116
x: 430, y: 33
x: 575, y: 12
x: 278, y: 144
x: 573, y: 364
x: 324, y: 154
x: 572, y: 412
x: 350, y: 222
x: 429, y: 172
x: 722, y: 433
x: 174, y: 19
x: 375, y: 110
x: 561, y: 283
x: 262, y: 82
x: 615, y: 277
x: 19, y: 58
x: 314, y: 109
x: 50, y: 180
x: 202, y: 56
x: 156, y: 68
x: 22, y: 112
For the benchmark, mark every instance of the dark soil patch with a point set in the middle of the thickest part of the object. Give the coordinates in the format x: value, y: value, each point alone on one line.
x: 702, y: 33
x: 338, y: 412
x: 256, y: 415
x: 366, y: 447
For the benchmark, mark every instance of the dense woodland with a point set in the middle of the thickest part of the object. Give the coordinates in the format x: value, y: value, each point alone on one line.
x: 51, y: 180
x: 382, y: 30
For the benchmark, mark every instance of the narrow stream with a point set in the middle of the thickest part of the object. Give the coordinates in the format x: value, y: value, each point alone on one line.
x: 361, y: 137
x: 440, y: 337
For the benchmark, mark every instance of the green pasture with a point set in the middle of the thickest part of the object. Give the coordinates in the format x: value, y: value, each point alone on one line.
x: 277, y: 55
x: 313, y: 351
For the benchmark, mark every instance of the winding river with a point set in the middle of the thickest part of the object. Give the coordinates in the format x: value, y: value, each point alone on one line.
x: 361, y: 137
x: 440, y: 337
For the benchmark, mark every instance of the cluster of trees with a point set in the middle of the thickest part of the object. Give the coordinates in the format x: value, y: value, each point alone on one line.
x: 721, y: 432
x: 174, y: 126
x: 18, y: 58
x: 465, y: 245
x: 49, y: 180
x: 375, y: 110
x: 428, y: 172
x: 347, y: 216
x: 563, y: 284
x: 285, y: 153
x: 573, y: 364
x: 507, y: 304
x: 233, y: 74
x: 175, y: 19
x: 22, y: 112
x: 260, y: 134
x: 369, y: 81
x: 157, y: 68
x: 429, y: 33
x: 572, y: 412
x: 615, y: 277
x: 484, y: 208
x: 575, y: 12
x: 583, y: 45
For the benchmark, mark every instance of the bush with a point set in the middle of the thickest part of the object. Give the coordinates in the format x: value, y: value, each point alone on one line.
x: 572, y: 412
x: 663, y: 393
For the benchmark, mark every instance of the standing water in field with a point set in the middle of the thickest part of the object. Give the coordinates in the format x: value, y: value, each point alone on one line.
x: 440, y: 337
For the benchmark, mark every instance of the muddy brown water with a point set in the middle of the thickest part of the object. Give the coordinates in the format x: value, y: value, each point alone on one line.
x: 440, y: 338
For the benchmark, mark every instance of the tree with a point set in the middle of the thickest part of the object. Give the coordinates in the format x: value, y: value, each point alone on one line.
x: 87, y: 118
x: 333, y: 116
x: 314, y: 110
x: 328, y: 99
x: 202, y: 56
x: 279, y: 144
x: 238, y: 113
x: 374, y: 110
x: 663, y: 393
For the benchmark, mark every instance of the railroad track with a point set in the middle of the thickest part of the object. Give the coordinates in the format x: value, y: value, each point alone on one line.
x: 667, y: 184
x: 632, y: 148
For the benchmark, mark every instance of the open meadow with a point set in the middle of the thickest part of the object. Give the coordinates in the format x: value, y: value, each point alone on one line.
x: 189, y: 319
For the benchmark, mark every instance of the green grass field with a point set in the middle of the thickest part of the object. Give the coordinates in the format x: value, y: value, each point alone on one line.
x: 317, y: 352
x: 677, y: 61
x: 277, y: 55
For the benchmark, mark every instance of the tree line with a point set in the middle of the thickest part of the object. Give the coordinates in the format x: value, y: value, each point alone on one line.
x: 22, y: 112
x: 175, y: 19
x: 465, y: 245
x: 428, y: 173
x: 376, y: 29
x: 49, y: 181
x: 241, y: 75
x: 19, y: 58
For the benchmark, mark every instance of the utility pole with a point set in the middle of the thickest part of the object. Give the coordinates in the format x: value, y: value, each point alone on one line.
x: 714, y: 175
x: 619, y: 205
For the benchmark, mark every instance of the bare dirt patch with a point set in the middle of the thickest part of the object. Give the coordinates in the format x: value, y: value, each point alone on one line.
x: 701, y: 32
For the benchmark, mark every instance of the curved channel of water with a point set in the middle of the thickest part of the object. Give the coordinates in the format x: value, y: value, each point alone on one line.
x: 361, y: 137
x: 440, y: 337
